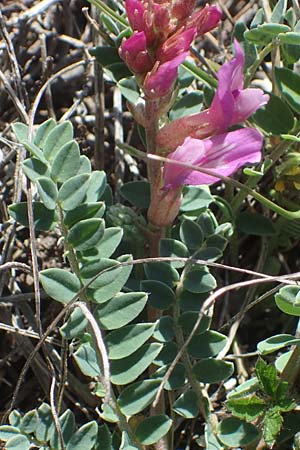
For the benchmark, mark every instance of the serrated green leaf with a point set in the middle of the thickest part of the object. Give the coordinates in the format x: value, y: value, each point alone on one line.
x: 66, y: 162
x: 267, y: 376
x: 247, y: 408
x: 212, y: 370
x: 57, y: 138
x: 272, y: 426
x: 86, y: 234
x: 73, y: 191
x: 48, y: 192
x: 125, y: 341
x: 152, y: 429
x: 234, y: 432
x: 137, y: 396
x: 125, y: 370
x: 120, y: 310
x: 60, y: 284
x: 84, y: 438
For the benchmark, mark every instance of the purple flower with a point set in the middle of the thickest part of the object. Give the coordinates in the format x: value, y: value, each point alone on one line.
x: 134, y: 52
x: 232, y: 104
x: 205, y: 19
x: 224, y: 154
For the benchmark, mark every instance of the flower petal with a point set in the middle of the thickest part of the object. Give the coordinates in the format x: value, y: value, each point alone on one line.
x: 247, y: 102
x: 134, y: 52
x: 224, y: 154
x: 135, y: 12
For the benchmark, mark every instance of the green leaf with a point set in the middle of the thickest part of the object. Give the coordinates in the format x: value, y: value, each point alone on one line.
x: 198, y: 280
x: 152, y: 429
x: 188, y: 104
x: 44, y: 218
x: 212, y: 370
x: 279, y: 11
x: 34, y: 168
x: 35, y: 151
x: 14, y: 418
x: 288, y: 300
x: 234, y: 432
x: 244, y: 389
x: 125, y: 370
x: 191, y: 234
x: 117, y: 71
x: 86, y: 234
x: 84, y: 438
x: 73, y: 191
x: 67, y: 425
x: 60, y: 284
x: 137, y: 396
x: 247, y: 408
x: 104, y: 439
x: 277, y: 342
x: 44, y: 429
x: 108, y: 283
x: 126, y: 443
x: 195, y: 197
x: 120, y: 310
x: 57, y: 138
x: 20, y: 130
x: 275, y: 117
x: 164, y: 329
x: 267, y: 376
x: 187, y: 405
x: 105, y: 55
x: 173, y: 248
x: 66, y: 162
x: 96, y: 186
x: 137, y: 193
x: 207, y: 344
x: 85, y: 211
x: 84, y: 165
x: 291, y: 38
x: 125, y: 341
x: 288, y: 83
x: 176, y: 380
x: 160, y: 294
x: 106, y: 247
x: 74, y: 326
x: 161, y: 271
x: 272, y: 426
x: 18, y: 442
x: 87, y: 360
x: 255, y: 224
x: 43, y: 131
x: 129, y: 89
x: 48, y: 192
x: 188, y: 319
x: 167, y: 354
x: 7, y: 432
x: 29, y: 422
x: 264, y: 33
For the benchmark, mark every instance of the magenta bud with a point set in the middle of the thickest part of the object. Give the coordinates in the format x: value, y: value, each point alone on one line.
x: 205, y: 19
x: 182, y: 9
x: 176, y: 44
x: 134, y: 52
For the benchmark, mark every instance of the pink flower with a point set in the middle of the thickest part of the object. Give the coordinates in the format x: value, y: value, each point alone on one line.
x: 205, y: 19
x: 134, y: 52
x: 178, y: 43
x: 232, y: 104
x: 224, y: 154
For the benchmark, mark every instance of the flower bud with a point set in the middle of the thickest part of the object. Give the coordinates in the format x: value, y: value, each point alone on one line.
x: 134, y: 52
